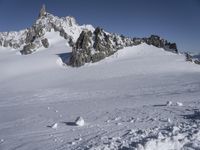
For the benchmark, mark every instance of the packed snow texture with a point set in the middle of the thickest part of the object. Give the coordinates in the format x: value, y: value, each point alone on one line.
x: 141, y: 98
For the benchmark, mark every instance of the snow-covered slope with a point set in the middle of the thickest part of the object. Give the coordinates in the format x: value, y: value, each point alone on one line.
x: 121, y: 99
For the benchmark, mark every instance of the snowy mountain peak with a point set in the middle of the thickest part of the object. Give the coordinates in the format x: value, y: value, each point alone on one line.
x: 42, y: 11
x: 71, y: 21
x: 31, y: 39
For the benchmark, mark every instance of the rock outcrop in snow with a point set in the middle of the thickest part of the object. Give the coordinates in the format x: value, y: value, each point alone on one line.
x: 194, y: 59
x: 161, y: 43
x: 91, y: 47
x: 95, y: 46
x: 79, y: 121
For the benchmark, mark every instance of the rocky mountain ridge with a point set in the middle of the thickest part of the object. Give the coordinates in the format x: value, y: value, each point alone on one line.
x: 95, y: 46
x: 88, y: 44
x: 30, y: 39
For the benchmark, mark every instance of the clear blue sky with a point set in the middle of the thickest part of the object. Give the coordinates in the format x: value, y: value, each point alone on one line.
x: 175, y: 20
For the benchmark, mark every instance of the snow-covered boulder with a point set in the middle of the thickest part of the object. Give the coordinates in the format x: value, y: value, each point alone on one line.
x: 169, y: 103
x: 179, y: 104
x: 79, y: 121
x: 54, y: 126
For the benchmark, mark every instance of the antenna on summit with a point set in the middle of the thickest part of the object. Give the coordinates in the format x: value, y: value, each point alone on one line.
x: 42, y: 11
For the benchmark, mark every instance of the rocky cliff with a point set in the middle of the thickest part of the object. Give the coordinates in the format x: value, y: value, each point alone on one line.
x: 95, y: 46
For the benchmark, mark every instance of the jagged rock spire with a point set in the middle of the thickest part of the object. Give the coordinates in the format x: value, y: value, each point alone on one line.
x: 42, y: 11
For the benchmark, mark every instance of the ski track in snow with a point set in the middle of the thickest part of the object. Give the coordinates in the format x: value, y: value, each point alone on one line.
x: 122, y: 100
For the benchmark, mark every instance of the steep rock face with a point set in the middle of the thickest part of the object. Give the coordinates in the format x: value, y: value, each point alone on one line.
x: 95, y: 46
x: 188, y: 57
x: 192, y: 58
x: 197, y: 62
x: 161, y: 43
x: 155, y: 41
x: 82, y: 49
x: 45, y: 42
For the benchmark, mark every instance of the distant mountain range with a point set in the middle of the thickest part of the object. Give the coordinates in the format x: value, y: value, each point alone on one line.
x: 88, y: 44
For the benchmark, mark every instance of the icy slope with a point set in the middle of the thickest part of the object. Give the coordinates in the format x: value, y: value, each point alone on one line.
x: 121, y: 98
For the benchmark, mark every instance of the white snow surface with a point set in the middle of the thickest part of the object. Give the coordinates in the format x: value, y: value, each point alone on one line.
x: 123, y: 98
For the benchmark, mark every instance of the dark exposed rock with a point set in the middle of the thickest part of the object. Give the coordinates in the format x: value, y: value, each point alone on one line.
x: 45, y: 42
x: 78, y: 58
x: 197, y: 62
x: 102, y: 41
x: 62, y: 32
x: 66, y: 36
x: 98, y: 56
x: 136, y: 41
x: 81, y: 52
x: 28, y: 49
x: 91, y: 47
x: 16, y: 46
x: 188, y: 57
x: 171, y: 47
x: 6, y: 43
x: 71, y: 43
x: 155, y: 41
x: 30, y: 36
x: 161, y: 43
x: 10, y: 44
x: 84, y: 41
x: 38, y: 30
